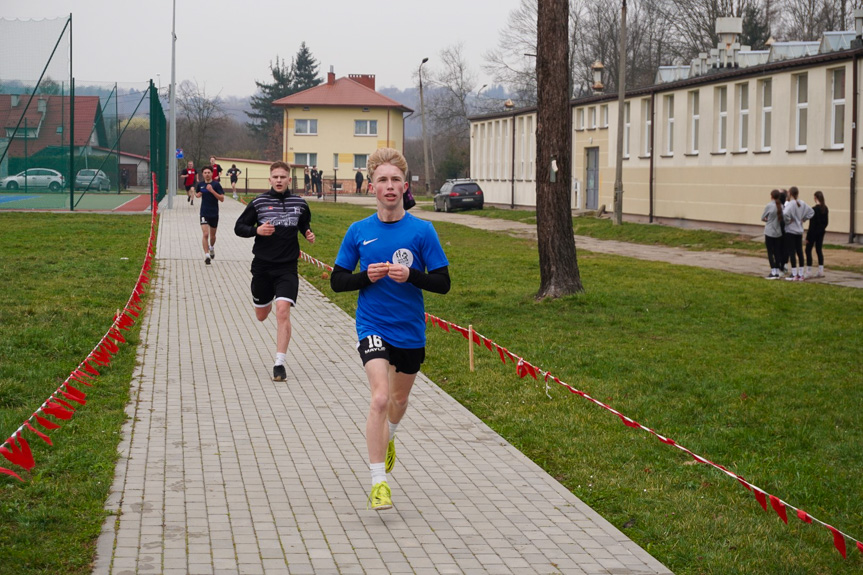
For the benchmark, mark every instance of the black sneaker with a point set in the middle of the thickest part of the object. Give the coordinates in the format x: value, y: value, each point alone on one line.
x: 279, y: 373
x: 207, y: 259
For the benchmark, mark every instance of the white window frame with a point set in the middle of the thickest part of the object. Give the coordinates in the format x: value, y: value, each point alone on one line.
x: 579, y: 119
x: 603, y: 115
x: 694, y: 120
x: 669, y: 124
x: 523, y: 151
x: 743, y: 117
x: 722, y: 119
x: 647, y: 123
x: 627, y: 128
x: 766, y: 114
x: 311, y: 158
x: 835, y: 104
x: 591, y: 117
x: 801, y: 111
x: 310, y: 127
x: 368, y: 128
x: 361, y: 165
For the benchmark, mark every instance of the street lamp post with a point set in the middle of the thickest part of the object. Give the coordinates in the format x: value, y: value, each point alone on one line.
x: 621, y: 103
x: 423, y: 114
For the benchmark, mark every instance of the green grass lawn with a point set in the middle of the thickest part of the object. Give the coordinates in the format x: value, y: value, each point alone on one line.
x: 62, y: 279
x: 759, y: 377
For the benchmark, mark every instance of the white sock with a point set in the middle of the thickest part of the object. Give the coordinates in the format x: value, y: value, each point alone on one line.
x: 774, y: 271
x: 280, y: 359
x: 378, y: 472
x: 794, y: 272
x: 393, y: 428
x: 821, y: 270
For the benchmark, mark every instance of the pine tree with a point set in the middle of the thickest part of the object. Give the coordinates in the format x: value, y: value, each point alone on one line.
x: 756, y: 29
x: 305, y: 69
x: 264, y: 116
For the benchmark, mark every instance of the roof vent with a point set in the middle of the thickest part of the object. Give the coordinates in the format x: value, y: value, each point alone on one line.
x: 728, y: 29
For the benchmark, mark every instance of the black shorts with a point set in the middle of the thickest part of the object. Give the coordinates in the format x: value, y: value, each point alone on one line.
x: 274, y: 282
x: 233, y: 179
x: 190, y: 187
x: 212, y: 221
x: 405, y: 360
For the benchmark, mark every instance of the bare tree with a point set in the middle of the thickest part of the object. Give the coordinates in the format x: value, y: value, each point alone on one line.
x: 199, y: 122
x: 512, y: 62
x: 558, y: 263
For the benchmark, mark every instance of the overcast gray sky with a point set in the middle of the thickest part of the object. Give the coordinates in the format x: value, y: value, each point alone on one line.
x: 226, y: 45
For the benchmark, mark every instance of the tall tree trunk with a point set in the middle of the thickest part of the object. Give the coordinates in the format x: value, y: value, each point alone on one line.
x: 558, y: 264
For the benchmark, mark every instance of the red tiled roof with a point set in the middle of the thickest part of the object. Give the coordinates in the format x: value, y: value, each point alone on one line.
x: 342, y: 92
x: 56, y: 114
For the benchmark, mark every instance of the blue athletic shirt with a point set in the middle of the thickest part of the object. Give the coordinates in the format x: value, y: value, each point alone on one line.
x: 392, y: 310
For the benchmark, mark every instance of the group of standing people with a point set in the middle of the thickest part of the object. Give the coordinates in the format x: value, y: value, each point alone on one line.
x: 313, y: 181
x: 783, y: 221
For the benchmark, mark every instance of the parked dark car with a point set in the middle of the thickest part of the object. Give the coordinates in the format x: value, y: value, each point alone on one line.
x: 456, y: 194
x: 92, y: 180
x: 35, y: 178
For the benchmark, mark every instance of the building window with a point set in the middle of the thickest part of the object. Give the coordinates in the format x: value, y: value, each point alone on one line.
x: 305, y: 127
x: 603, y: 114
x: 305, y: 159
x: 361, y: 161
x: 365, y: 127
x: 669, y: 124
x: 579, y: 119
x: 743, y: 117
x: 522, y: 146
x: 626, y: 130
x: 802, y: 111
x: 722, y: 119
x: 694, y: 120
x: 837, y: 108
x: 647, y: 123
x: 591, y: 117
x: 766, y: 113
x: 531, y: 142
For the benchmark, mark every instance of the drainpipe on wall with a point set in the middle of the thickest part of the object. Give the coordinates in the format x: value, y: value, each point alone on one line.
x: 853, y: 184
x: 652, y: 153
x: 512, y: 166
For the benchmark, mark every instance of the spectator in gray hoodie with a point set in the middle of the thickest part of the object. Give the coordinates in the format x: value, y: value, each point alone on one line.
x: 772, y: 216
x: 795, y: 212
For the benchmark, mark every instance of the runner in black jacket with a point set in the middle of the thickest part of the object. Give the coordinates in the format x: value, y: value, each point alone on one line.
x: 273, y: 219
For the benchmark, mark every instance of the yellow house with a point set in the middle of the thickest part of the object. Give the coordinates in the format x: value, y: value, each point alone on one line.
x: 336, y: 126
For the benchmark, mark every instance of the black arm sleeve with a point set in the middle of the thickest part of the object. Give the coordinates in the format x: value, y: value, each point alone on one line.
x: 246, y: 226
x: 344, y: 280
x: 436, y: 281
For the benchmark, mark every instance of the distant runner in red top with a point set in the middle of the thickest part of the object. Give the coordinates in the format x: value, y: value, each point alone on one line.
x: 217, y: 169
x: 191, y: 178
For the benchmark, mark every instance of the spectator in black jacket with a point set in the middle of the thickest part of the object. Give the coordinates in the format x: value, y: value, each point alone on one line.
x: 274, y: 218
x: 815, y: 234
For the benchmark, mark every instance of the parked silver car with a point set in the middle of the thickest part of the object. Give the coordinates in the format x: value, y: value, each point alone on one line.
x: 92, y: 180
x: 35, y: 178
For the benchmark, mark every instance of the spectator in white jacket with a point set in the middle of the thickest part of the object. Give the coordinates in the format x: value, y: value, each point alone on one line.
x: 795, y: 212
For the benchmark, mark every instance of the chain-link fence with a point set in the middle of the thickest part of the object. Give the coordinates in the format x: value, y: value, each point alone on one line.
x: 68, y: 144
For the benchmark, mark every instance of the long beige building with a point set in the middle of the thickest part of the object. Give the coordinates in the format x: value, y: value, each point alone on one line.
x: 705, y: 145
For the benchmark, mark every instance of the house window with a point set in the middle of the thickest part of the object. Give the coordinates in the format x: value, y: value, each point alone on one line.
x: 743, y: 117
x: 802, y: 111
x: 647, y: 123
x: 591, y: 117
x: 766, y: 113
x: 669, y: 124
x: 305, y: 127
x: 365, y: 127
x: 579, y: 119
x: 361, y: 161
x: 603, y: 113
x: 305, y: 159
x: 837, y: 108
x: 694, y: 121
x: 626, y: 130
x: 722, y: 119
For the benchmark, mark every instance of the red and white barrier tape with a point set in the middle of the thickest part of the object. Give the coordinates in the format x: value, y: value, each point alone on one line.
x: 16, y: 449
x: 524, y: 368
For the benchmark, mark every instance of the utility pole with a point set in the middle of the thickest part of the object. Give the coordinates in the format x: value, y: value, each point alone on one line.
x: 621, y: 104
x: 172, y: 129
x: 425, y: 140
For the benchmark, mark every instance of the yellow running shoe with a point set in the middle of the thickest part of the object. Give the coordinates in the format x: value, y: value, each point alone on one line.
x: 379, y: 498
x: 391, y: 456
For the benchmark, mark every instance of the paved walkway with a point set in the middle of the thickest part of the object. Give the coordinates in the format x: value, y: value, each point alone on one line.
x: 224, y: 471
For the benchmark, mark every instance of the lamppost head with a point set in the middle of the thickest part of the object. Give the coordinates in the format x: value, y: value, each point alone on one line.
x: 424, y: 61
